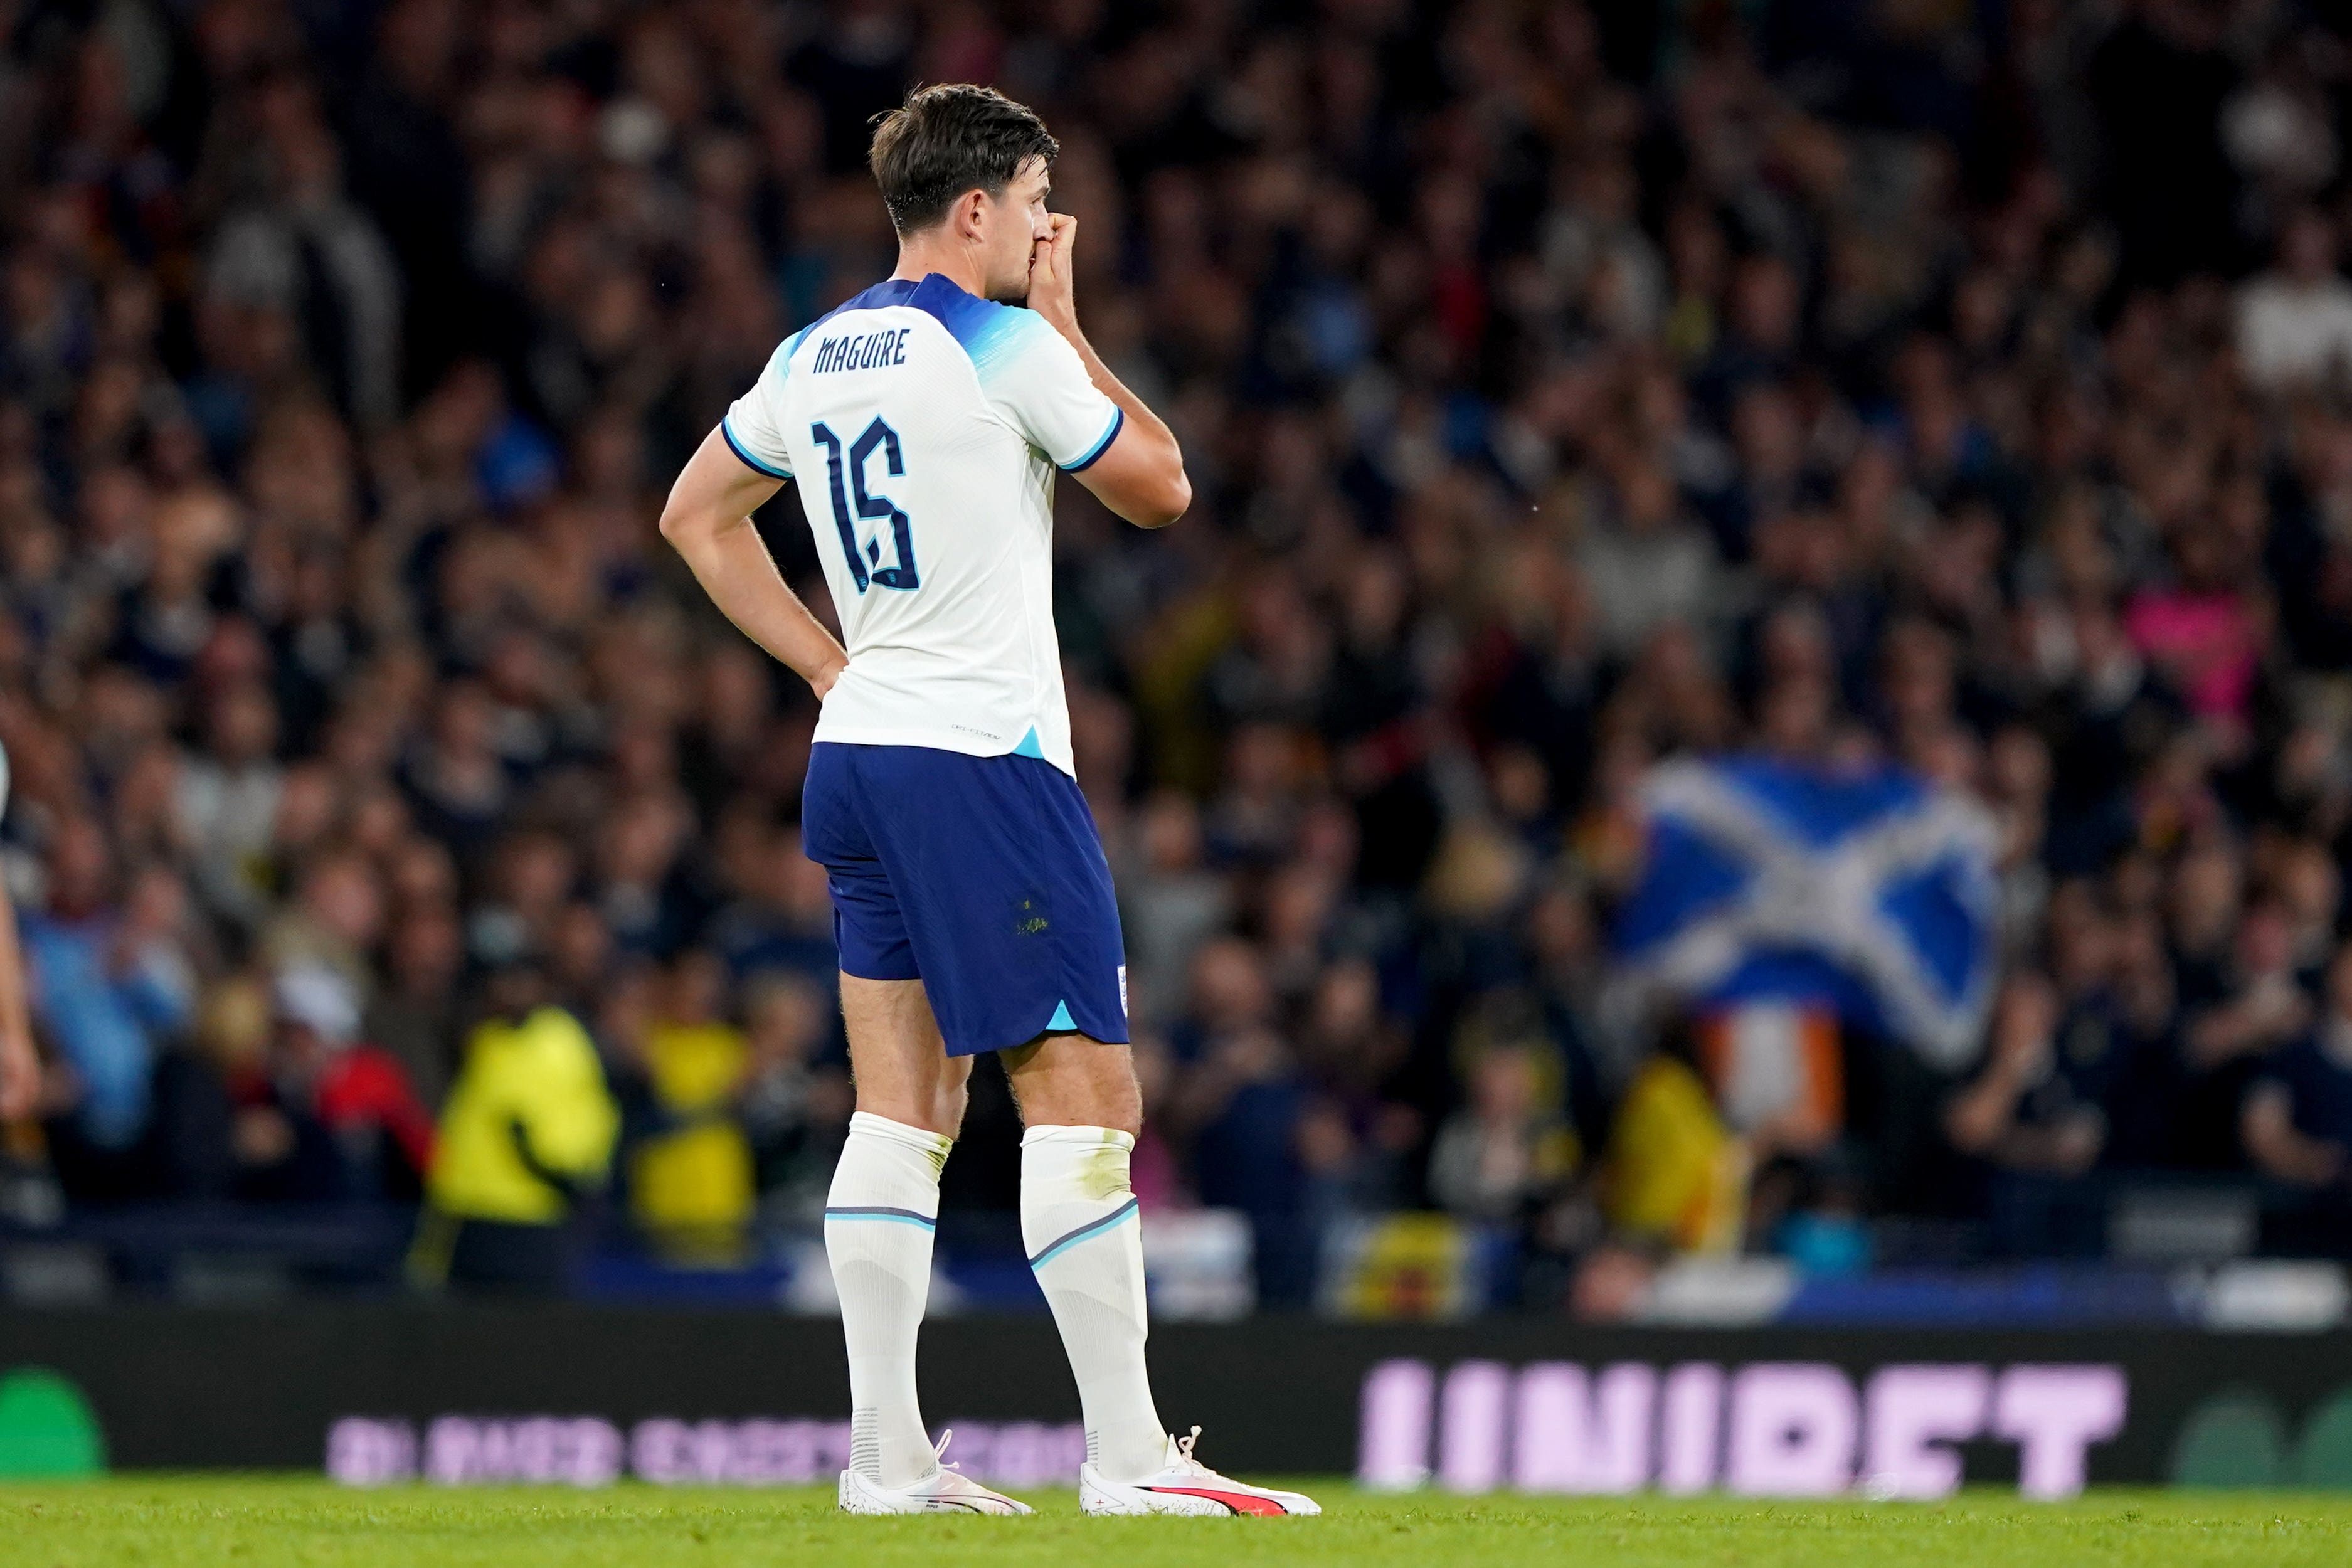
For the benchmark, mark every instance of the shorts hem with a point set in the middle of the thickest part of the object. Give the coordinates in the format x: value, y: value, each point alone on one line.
x: 1123, y: 1037
x: 855, y: 976
x: 956, y: 1050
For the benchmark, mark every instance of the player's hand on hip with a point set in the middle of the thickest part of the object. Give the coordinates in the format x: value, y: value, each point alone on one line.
x: 823, y: 680
x: 1051, y: 292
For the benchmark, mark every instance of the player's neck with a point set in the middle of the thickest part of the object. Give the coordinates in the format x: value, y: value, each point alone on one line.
x: 926, y: 254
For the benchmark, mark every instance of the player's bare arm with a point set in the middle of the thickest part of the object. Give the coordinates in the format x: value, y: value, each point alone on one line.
x: 1142, y: 476
x: 709, y: 519
x: 20, y: 1068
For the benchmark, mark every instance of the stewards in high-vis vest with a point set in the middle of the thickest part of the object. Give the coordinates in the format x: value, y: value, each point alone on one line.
x: 527, y: 1133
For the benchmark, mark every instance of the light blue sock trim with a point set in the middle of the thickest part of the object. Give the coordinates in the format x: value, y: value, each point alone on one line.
x: 894, y: 1216
x: 1127, y: 1210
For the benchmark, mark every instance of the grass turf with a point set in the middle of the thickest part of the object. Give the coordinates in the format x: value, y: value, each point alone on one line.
x: 268, y: 1522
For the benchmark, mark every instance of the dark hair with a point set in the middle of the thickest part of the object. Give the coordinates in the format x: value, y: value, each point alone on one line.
x: 949, y: 139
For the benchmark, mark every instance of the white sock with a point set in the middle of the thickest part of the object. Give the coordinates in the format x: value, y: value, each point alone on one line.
x: 1078, y: 1221
x: 879, y: 1219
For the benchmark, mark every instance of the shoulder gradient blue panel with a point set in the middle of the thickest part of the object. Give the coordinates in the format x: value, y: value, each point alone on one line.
x: 988, y: 331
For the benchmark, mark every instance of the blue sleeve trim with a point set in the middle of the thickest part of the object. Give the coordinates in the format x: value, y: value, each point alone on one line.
x: 751, y: 461
x: 1118, y: 423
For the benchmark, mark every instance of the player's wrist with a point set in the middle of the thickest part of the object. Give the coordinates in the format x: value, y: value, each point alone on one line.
x: 822, y: 678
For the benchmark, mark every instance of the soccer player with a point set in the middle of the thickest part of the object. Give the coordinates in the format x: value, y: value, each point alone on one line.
x: 925, y: 419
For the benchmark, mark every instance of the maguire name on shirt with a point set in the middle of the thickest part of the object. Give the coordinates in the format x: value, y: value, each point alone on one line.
x: 860, y: 352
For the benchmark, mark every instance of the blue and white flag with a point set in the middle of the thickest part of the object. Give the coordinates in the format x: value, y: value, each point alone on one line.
x: 1869, y: 891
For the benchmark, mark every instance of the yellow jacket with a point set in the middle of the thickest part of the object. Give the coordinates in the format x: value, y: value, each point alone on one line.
x: 698, y: 1175
x: 541, y: 1076
x: 1674, y: 1172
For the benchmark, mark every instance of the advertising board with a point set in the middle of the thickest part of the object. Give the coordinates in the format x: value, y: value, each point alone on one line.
x: 381, y: 1393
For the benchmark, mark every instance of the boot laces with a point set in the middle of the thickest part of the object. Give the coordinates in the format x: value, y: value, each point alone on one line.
x: 1184, y: 1460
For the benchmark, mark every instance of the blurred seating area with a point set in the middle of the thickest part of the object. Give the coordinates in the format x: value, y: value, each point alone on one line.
x: 1953, y: 396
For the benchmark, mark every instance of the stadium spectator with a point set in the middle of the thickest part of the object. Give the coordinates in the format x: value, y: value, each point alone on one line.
x: 325, y: 1117
x: 358, y: 1091
x: 2299, y: 1113
x: 1675, y: 1177
x: 2294, y: 323
x: 525, y: 1139
x: 228, y: 799
x: 794, y: 1108
x: 414, y: 1013
x: 1506, y: 1152
x: 111, y: 983
x: 2035, y: 1112
x: 691, y: 1181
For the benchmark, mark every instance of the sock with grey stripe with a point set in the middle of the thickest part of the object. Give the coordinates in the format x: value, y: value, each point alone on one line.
x: 879, y: 1219
x: 1078, y: 1221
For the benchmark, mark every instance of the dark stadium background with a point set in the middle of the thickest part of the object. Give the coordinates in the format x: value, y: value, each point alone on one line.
x: 1568, y: 390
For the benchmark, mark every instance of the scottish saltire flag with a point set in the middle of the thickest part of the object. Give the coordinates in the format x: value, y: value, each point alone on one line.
x: 1869, y: 891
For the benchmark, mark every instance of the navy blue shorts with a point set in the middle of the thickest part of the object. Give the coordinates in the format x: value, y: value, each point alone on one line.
x: 982, y: 877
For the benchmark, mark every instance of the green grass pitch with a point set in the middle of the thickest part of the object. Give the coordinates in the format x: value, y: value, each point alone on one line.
x: 268, y: 1522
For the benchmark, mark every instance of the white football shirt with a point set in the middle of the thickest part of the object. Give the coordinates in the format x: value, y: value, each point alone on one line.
x: 925, y: 425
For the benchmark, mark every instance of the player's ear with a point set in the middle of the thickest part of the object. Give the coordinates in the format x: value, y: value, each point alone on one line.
x: 971, y: 215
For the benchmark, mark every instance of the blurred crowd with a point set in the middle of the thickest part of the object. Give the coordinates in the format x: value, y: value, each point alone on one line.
x: 1565, y: 387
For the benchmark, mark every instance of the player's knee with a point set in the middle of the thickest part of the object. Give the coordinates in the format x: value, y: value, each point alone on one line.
x: 1118, y: 1103
x: 950, y: 1098
x: 933, y: 1107
x: 1081, y: 1098
x: 1128, y: 1116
